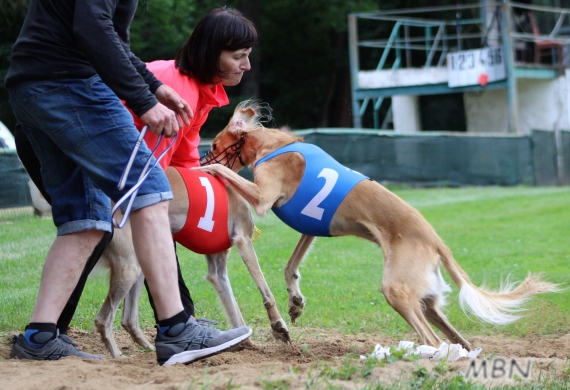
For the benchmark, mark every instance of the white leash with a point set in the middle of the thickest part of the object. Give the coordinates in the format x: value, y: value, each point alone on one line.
x: 132, y: 193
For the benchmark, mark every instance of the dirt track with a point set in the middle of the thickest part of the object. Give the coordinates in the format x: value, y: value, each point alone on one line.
x: 262, y: 364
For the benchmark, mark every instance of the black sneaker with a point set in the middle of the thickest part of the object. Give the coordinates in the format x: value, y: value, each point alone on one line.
x: 61, y: 346
x: 196, y: 341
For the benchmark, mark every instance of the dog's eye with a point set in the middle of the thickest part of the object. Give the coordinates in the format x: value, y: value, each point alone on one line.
x: 214, y: 147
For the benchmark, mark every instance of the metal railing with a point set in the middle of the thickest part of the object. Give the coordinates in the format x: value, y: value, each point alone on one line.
x: 414, y: 38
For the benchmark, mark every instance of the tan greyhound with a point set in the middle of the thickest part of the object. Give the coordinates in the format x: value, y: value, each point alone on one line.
x: 413, y: 252
x: 126, y: 279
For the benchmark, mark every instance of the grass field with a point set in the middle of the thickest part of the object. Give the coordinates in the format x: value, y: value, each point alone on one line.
x: 493, y: 232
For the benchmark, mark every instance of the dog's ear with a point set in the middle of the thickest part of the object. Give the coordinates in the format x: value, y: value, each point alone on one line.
x: 241, y: 120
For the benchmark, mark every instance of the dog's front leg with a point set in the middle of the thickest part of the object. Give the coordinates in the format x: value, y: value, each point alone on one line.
x: 278, y: 326
x: 251, y: 192
x: 292, y: 277
x: 120, y: 257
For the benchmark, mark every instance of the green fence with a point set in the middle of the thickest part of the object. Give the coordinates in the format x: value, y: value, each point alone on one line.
x: 444, y: 159
x: 421, y: 159
x: 564, y: 156
x: 14, y: 190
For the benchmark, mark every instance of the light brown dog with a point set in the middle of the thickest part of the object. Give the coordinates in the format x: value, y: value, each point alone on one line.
x: 413, y: 252
x: 126, y: 278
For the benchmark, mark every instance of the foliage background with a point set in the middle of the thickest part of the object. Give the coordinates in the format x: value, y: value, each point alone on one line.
x: 300, y: 66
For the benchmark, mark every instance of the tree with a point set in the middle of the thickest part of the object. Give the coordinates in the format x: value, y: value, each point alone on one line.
x: 12, y: 14
x: 157, y: 32
x: 300, y: 66
x: 250, y: 82
x: 160, y: 30
x: 304, y: 64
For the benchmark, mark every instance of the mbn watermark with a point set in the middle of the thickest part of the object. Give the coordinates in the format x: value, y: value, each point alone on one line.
x: 498, y: 368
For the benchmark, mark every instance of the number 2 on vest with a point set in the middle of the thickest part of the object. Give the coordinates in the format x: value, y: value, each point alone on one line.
x: 312, y: 209
x: 206, y: 222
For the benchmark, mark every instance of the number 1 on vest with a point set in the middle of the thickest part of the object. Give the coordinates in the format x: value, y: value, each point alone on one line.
x: 206, y: 222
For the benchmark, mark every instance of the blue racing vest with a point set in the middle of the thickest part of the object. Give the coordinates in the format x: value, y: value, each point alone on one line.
x: 323, y: 187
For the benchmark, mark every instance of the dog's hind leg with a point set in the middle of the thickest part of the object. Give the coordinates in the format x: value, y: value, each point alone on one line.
x: 218, y: 277
x: 292, y: 277
x: 120, y: 257
x: 432, y: 303
x: 436, y: 317
x: 130, y: 318
x: 404, y: 300
x: 407, y: 278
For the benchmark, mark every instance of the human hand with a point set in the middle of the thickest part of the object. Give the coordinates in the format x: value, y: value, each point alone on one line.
x: 170, y: 98
x: 161, y: 119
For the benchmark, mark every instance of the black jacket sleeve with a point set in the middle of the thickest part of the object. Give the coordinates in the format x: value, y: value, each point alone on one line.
x: 101, y: 29
x: 152, y: 82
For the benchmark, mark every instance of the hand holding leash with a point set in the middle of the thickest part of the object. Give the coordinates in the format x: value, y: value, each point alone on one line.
x: 132, y: 193
x: 161, y: 120
x: 170, y: 98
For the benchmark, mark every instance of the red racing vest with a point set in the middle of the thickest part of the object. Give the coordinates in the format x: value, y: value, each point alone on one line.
x: 206, y: 227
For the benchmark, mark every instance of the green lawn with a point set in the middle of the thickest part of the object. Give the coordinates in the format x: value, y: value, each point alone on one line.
x: 492, y: 231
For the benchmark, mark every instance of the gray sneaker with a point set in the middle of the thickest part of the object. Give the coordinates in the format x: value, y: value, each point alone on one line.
x: 61, y: 346
x: 196, y: 341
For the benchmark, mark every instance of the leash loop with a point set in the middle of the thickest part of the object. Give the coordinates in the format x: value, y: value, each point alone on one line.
x: 132, y: 193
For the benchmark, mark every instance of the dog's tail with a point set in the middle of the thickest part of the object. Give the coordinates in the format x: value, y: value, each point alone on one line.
x: 496, y: 307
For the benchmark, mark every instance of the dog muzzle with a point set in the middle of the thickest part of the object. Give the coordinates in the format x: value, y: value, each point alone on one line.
x: 226, y: 157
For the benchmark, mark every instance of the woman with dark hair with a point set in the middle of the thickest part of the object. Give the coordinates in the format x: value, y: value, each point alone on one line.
x: 215, y: 55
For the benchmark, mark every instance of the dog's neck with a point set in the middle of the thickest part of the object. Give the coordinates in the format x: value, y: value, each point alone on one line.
x: 259, y: 143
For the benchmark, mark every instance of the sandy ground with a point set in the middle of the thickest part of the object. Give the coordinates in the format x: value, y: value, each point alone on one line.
x: 265, y: 363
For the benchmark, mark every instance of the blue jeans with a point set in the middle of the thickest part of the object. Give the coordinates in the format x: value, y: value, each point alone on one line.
x: 83, y: 137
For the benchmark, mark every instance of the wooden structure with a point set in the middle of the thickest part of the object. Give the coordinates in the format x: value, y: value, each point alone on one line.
x: 409, y: 57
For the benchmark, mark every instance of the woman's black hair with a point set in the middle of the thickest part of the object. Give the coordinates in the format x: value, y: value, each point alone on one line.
x: 221, y: 29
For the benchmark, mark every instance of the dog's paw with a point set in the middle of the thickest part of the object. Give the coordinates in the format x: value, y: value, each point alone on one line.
x: 296, y: 305
x: 280, y: 331
x: 298, y: 301
x: 295, y: 312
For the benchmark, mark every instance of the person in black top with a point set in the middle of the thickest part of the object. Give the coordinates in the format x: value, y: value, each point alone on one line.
x: 33, y: 167
x: 67, y: 96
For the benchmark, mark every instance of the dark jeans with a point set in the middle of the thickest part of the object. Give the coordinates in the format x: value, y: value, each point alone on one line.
x: 32, y: 166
